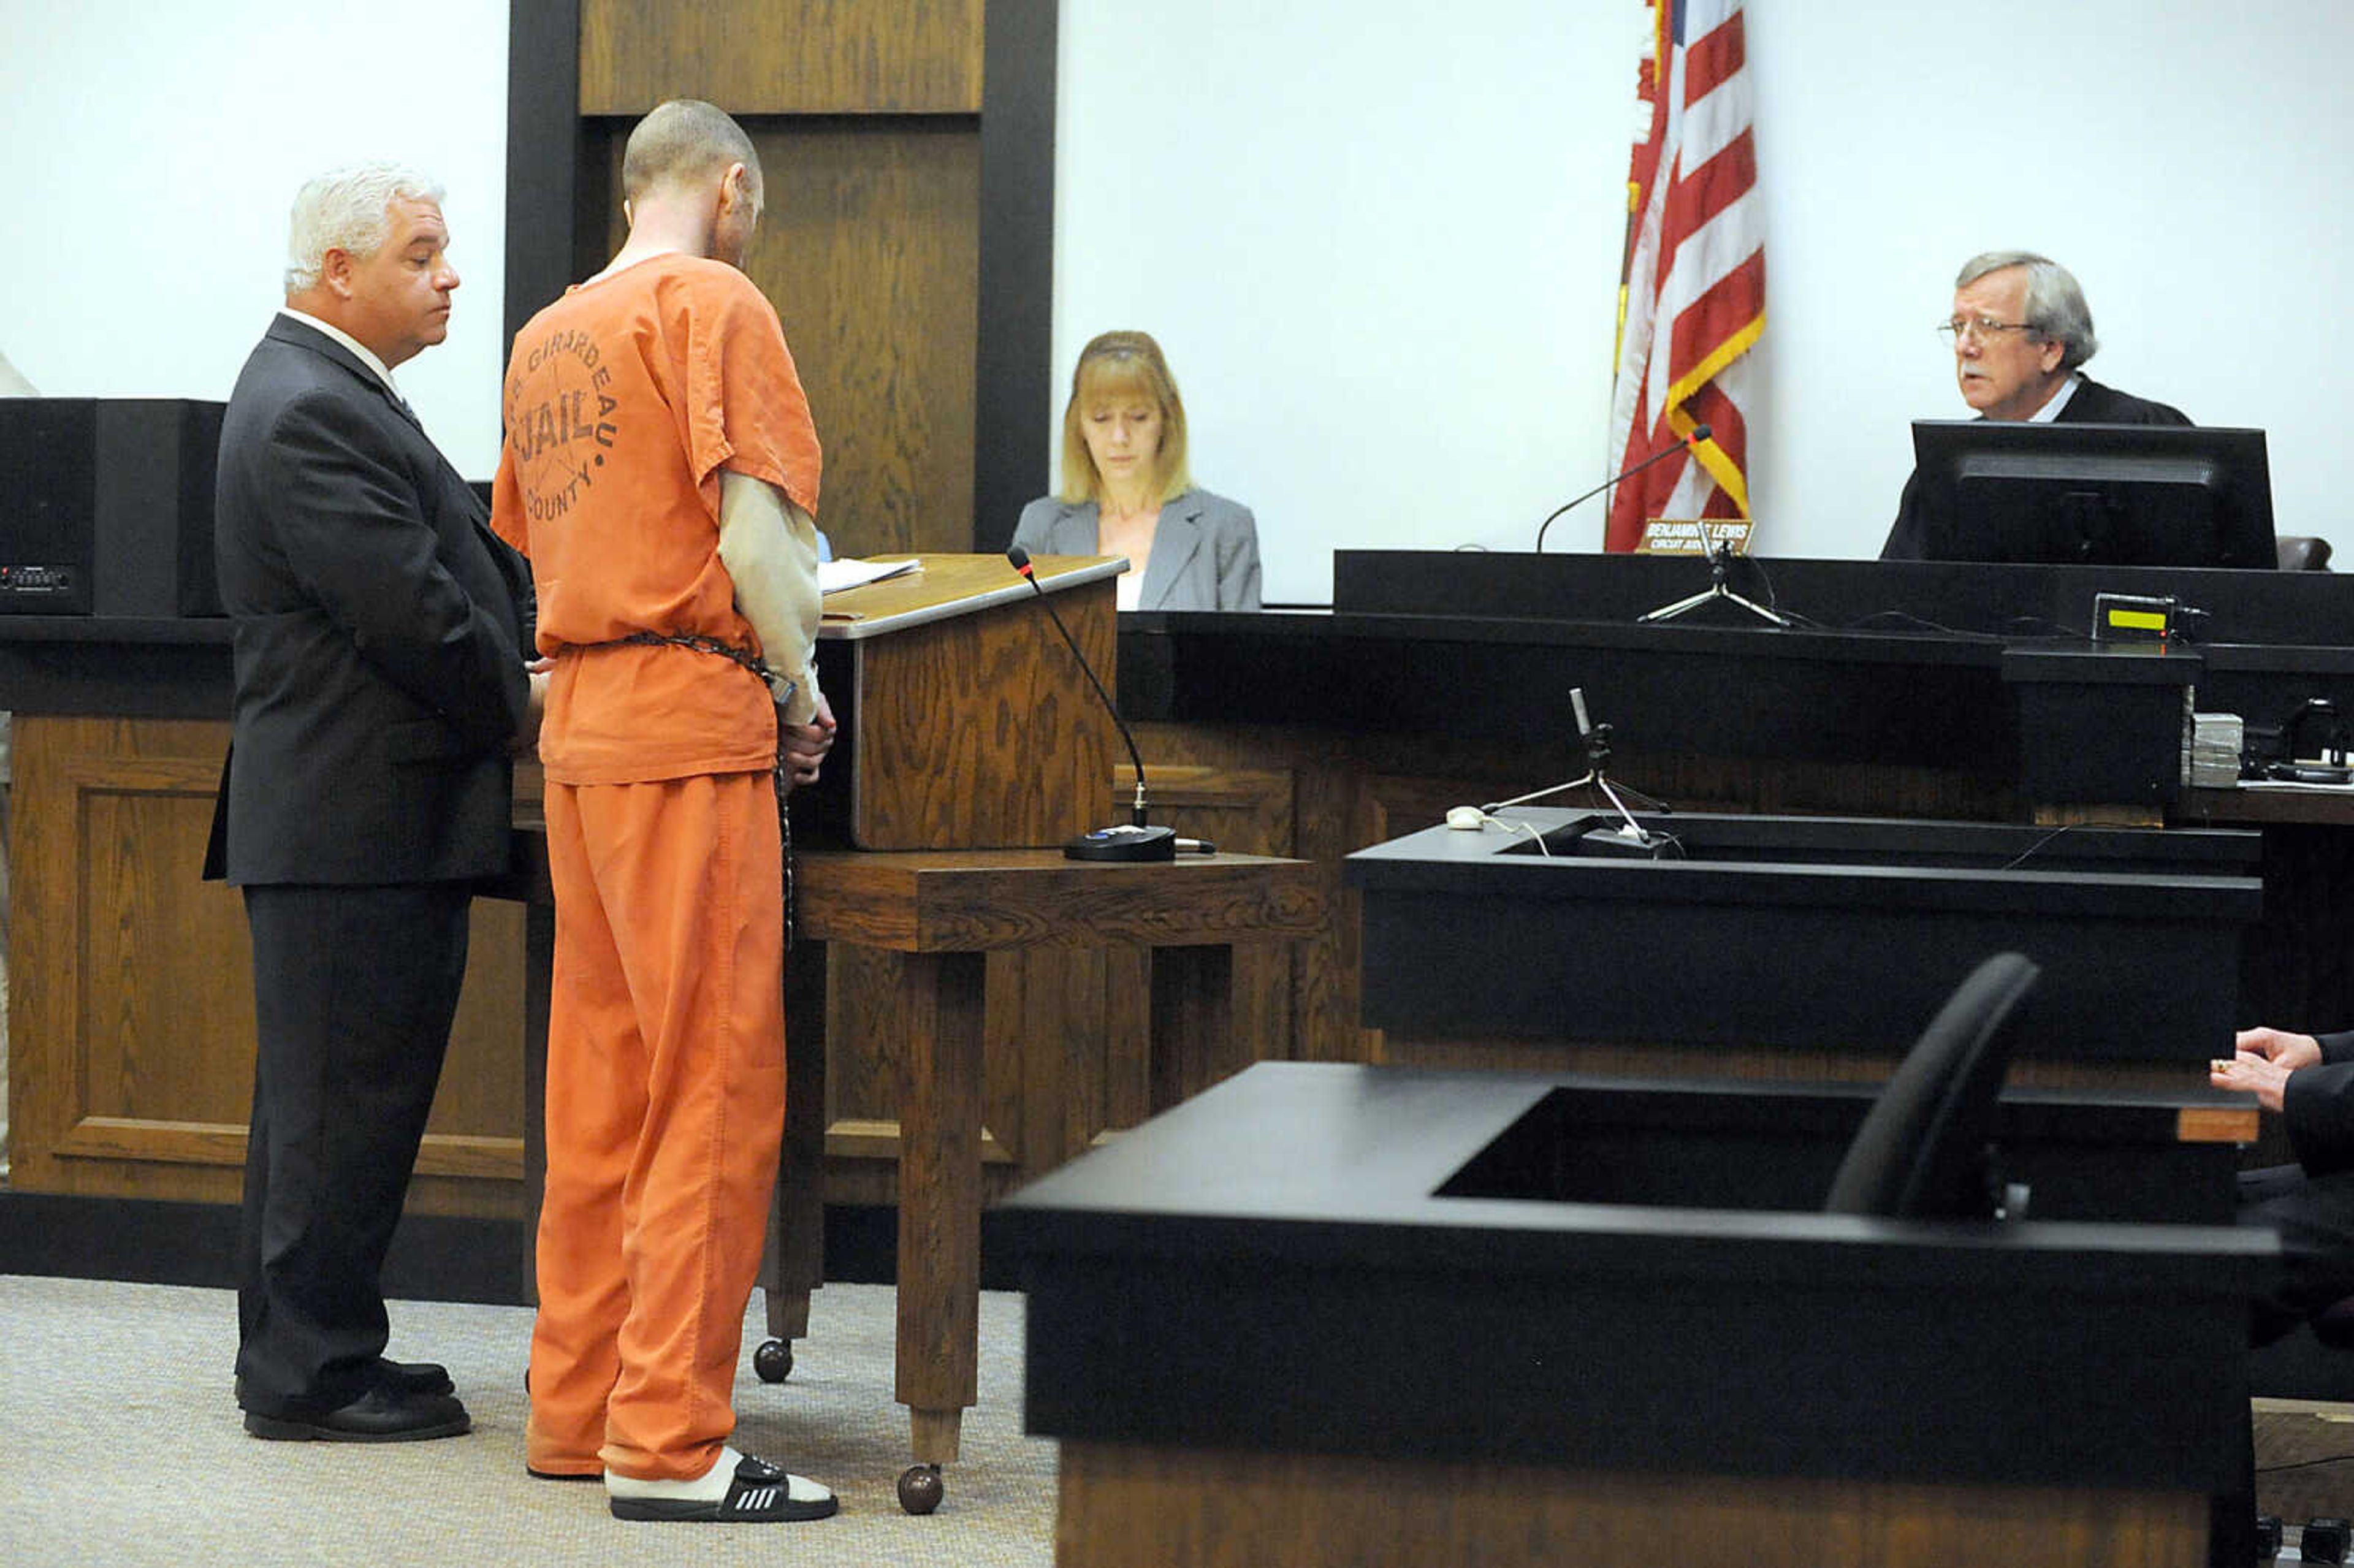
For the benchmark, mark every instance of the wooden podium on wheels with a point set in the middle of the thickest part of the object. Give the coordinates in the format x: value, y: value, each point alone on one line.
x: 972, y: 745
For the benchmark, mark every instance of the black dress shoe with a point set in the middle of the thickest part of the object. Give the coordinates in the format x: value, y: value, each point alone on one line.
x: 404, y: 1379
x: 412, y: 1378
x: 378, y: 1416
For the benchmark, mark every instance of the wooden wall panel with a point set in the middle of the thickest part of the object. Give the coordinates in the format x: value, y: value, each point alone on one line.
x: 1325, y: 822
x: 757, y: 57
x: 870, y: 250
x: 131, y: 1022
x: 1242, y: 811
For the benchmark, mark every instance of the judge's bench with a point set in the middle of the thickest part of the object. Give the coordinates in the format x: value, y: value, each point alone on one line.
x: 1912, y: 690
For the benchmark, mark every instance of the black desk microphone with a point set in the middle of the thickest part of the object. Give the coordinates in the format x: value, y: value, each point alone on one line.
x: 1698, y: 434
x: 1131, y: 840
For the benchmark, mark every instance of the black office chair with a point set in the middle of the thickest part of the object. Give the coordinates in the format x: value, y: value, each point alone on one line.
x: 2302, y: 553
x: 1923, y: 1152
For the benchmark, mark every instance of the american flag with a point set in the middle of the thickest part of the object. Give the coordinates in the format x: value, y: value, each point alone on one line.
x: 1692, y: 301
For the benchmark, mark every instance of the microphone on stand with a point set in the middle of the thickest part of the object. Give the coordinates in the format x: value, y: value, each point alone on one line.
x: 1698, y: 433
x: 1134, y: 839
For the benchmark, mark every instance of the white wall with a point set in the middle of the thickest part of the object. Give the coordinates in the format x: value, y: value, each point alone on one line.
x: 153, y: 150
x: 1380, y: 239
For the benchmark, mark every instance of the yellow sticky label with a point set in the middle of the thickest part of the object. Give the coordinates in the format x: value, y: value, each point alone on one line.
x: 2139, y: 619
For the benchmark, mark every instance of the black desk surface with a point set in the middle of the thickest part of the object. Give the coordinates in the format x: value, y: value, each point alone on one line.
x: 1275, y: 1264
x: 1968, y: 600
x: 1808, y: 933
x: 116, y: 667
x: 1330, y: 1162
x: 1901, y: 663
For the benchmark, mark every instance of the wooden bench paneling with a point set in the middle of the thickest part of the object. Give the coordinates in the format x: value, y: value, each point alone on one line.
x: 130, y: 1026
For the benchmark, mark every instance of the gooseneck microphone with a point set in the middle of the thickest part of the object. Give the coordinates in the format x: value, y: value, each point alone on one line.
x: 1698, y: 433
x: 1134, y: 839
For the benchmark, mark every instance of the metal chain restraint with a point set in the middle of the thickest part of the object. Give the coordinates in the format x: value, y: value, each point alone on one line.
x: 754, y: 662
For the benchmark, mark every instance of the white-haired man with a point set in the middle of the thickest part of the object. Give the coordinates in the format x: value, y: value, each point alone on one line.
x: 2021, y: 333
x: 380, y: 686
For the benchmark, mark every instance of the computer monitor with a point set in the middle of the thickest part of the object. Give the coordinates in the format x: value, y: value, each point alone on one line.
x: 2139, y: 495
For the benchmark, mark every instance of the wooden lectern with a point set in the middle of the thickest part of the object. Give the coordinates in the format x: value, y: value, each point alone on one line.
x: 965, y: 722
x: 972, y: 745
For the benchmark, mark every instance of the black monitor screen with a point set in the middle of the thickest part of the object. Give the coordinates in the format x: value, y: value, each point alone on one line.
x: 2111, y: 495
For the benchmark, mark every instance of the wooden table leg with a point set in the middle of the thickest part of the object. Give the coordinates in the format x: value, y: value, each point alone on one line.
x: 1193, y: 1044
x: 939, y: 1196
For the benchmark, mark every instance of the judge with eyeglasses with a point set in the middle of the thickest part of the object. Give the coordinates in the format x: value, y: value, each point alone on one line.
x: 2020, y: 333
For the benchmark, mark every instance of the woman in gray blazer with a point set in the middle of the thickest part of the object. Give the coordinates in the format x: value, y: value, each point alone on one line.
x: 1127, y: 491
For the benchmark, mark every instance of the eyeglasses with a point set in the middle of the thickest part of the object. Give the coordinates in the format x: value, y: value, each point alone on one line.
x: 1953, y: 331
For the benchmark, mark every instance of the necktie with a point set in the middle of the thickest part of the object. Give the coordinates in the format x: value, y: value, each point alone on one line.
x: 401, y: 403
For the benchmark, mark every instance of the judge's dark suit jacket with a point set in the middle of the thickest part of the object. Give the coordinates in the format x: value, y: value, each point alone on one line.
x: 1204, y: 549
x: 381, y: 630
x: 2092, y: 404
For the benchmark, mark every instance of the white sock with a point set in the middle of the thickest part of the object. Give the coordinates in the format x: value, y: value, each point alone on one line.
x: 710, y: 1487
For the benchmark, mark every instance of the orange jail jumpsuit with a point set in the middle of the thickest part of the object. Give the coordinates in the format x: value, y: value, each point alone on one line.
x: 666, y: 1053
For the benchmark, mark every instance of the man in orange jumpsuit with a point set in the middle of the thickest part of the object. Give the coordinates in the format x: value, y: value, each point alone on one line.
x: 661, y: 471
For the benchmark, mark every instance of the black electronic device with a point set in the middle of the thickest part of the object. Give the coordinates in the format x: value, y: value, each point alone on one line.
x: 2134, y: 618
x: 1626, y: 837
x: 2309, y: 773
x: 106, y: 506
x: 1597, y: 836
x: 1136, y: 839
x: 1621, y: 836
x: 2309, y: 748
x: 2122, y: 495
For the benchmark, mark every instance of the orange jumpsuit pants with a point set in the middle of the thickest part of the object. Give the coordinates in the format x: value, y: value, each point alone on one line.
x: 664, y: 1112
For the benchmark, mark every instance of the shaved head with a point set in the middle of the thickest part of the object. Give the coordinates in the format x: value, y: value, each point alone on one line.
x: 684, y: 143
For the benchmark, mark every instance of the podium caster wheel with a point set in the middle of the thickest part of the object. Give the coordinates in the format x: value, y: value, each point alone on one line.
x: 773, y: 1361
x: 920, y: 1489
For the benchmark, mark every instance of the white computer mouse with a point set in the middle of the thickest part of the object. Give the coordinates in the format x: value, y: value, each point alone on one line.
x: 1466, y: 818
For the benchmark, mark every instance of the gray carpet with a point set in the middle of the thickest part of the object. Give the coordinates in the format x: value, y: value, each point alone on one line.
x: 2305, y: 1459
x: 120, y: 1445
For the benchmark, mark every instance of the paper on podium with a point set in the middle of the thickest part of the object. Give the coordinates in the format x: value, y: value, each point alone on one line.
x: 832, y: 577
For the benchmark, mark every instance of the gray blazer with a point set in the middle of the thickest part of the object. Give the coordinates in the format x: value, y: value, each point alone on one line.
x: 1204, y: 550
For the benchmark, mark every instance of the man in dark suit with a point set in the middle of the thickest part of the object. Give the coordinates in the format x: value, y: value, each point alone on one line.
x: 380, y: 688
x: 2021, y: 332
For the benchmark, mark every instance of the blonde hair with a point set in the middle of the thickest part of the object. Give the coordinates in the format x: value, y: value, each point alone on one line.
x: 1123, y: 365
